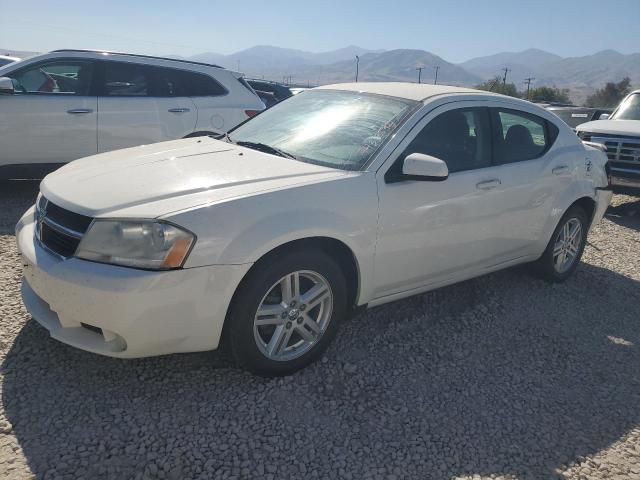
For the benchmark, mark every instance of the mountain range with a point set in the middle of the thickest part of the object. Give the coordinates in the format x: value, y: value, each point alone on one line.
x: 581, y: 75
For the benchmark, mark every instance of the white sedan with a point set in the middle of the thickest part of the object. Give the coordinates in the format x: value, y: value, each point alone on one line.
x: 340, y: 197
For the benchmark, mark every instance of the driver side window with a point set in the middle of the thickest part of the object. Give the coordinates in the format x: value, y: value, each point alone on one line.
x: 460, y: 137
x: 61, y: 77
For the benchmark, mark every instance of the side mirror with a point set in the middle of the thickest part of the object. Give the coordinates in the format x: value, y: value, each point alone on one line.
x: 604, y: 116
x: 425, y: 167
x: 6, y: 86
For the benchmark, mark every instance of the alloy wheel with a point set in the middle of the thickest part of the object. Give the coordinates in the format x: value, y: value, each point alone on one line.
x: 293, y: 315
x: 567, y: 245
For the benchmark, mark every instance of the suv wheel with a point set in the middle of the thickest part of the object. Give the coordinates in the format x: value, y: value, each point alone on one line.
x: 563, y: 253
x: 286, y: 312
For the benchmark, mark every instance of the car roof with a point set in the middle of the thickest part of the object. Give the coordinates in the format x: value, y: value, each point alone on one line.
x: 107, y: 52
x: 410, y: 91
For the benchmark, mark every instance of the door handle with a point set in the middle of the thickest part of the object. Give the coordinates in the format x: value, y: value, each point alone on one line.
x: 179, y: 110
x: 560, y: 170
x: 488, y: 185
x: 75, y: 111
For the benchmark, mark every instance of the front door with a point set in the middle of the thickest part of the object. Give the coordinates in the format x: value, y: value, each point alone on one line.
x: 431, y: 231
x: 51, y: 118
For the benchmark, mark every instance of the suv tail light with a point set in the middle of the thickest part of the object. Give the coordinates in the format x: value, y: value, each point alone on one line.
x: 251, y: 113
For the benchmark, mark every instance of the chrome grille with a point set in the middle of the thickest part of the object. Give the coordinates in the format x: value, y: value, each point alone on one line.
x: 623, y: 152
x: 59, y: 230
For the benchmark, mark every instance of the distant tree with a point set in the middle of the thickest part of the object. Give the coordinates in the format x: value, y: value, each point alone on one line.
x: 548, y: 94
x: 495, y: 85
x: 611, y: 95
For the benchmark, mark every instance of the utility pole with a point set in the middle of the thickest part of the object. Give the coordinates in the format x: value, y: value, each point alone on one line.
x: 528, y: 82
x: 435, y: 81
x: 419, y: 69
x: 357, y: 67
x: 504, y: 78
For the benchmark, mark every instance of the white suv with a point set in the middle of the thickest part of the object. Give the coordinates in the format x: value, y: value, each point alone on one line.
x: 68, y: 104
x: 339, y: 197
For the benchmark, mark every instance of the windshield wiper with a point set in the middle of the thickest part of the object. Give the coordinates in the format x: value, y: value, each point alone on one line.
x: 222, y: 136
x: 263, y: 147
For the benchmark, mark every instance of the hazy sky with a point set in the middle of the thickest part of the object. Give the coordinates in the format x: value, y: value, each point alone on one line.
x: 454, y: 29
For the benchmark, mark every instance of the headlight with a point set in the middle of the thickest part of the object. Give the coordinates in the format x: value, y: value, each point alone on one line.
x: 146, y: 244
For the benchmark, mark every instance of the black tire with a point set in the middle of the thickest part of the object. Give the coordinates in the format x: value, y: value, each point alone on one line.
x: 545, y: 267
x: 239, y: 327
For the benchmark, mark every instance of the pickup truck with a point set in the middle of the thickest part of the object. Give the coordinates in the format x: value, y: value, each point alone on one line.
x: 620, y: 135
x: 574, y: 116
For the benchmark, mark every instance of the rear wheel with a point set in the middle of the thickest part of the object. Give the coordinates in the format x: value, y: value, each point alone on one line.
x: 563, y: 253
x: 286, y: 312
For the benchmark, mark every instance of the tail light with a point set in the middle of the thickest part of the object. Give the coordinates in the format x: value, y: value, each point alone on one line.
x: 251, y: 113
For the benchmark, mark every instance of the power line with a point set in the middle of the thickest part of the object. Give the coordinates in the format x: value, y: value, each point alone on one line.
x: 59, y: 28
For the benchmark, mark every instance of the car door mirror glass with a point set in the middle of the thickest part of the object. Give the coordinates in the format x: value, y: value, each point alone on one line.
x: 6, y: 86
x: 604, y: 116
x: 426, y: 167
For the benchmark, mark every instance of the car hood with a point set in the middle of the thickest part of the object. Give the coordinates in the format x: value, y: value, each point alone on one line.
x: 154, y: 180
x: 612, y: 127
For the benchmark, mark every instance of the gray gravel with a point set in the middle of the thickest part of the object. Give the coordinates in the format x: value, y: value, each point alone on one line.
x: 499, y: 377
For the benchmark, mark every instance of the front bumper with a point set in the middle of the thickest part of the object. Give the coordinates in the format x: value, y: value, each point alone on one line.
x: 124, y: 312
x: 619, y: 179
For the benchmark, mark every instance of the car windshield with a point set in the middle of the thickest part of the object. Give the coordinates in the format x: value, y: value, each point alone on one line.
x: 337, y: 129
x: 629, y: 109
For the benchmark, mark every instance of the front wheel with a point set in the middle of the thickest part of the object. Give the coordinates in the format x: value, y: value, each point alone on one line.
x: 286, y: 312
x: 563, y: 253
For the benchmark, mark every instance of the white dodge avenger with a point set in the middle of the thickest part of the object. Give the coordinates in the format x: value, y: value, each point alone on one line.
x: 267, y: 238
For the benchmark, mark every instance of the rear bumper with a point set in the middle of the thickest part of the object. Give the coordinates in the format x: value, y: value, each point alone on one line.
x: 124, y: 312
x: 603, y: 200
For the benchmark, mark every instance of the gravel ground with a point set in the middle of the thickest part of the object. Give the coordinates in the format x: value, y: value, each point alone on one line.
x: 499, y: 377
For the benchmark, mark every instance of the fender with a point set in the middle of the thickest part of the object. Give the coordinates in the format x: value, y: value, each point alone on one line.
x: 242, y: 230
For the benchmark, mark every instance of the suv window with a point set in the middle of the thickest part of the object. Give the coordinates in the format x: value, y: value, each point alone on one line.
x: 520, y: 136
x: 125, y: 80
x: 129, y: 79
x: 170, y: 82
x: 460, y: 137
x: 58, y: 77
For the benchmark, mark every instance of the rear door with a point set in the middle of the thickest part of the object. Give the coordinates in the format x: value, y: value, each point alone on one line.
x: 141, y: 104
x: 531, y: 176
x: 52, y: 116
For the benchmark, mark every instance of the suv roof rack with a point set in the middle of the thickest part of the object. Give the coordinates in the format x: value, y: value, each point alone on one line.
x: 136, y: 55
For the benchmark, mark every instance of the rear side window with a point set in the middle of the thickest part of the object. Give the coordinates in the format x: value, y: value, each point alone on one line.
x: 170, y: 82
x: 129, y: 79
x: 520, y: 136
x: 461, y: 138
x: 125, y: 80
